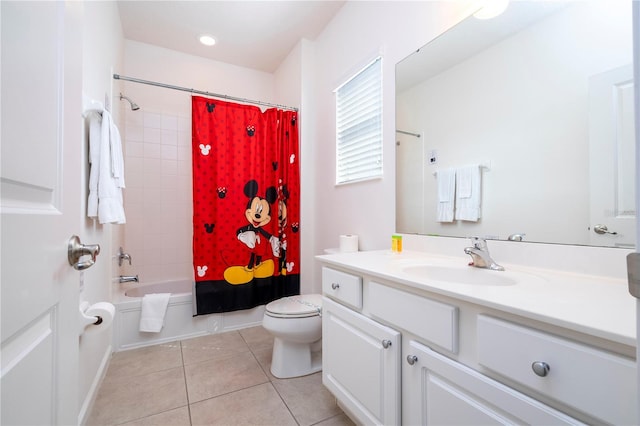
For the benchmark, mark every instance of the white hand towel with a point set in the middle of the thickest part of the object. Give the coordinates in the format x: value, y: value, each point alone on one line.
x: 117, y: 160
x: 468, y: 193
x: 106, y: 177
x: 154, y: 307
x: 95, y: 121
x: 446, y: 190
x: 110, y: 206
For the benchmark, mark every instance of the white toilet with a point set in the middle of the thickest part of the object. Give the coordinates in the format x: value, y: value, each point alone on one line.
x: 296, y: 325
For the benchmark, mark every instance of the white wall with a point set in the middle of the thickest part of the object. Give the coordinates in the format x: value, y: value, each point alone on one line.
x: 102, y: 52
x: 293, y: 85
x: 359, y: 32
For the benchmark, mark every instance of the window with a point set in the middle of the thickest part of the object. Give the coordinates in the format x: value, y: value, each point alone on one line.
x: 359, y: 126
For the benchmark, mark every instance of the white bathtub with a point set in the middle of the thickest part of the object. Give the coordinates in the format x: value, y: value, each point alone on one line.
x: 179, y: 320
x: 176, y: 288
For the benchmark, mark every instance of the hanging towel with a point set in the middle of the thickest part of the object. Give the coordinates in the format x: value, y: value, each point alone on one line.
x: 154, y: 307
x: 106, y: 177
x: 468, y: 193
x: 446, y: 190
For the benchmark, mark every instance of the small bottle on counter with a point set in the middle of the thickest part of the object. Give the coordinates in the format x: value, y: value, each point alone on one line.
x: 396, y: 243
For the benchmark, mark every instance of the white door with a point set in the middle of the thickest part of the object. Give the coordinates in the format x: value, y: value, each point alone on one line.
x: 636, y: 73
x: 612, y: 157
x: 41, y: 89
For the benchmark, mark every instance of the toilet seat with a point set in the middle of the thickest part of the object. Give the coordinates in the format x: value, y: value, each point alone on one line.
x: 302, y: 306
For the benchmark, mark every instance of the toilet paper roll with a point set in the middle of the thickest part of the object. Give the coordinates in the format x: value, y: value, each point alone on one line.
x: 98, y: 317
x: 348, y: 243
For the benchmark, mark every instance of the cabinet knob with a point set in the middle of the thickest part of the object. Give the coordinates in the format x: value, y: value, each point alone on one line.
x: 541, y: 368
x: 335, y: 286
x: 412, y: 359
x: 386, y: 343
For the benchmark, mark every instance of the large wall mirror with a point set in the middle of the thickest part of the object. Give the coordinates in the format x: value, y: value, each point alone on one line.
x: 539, y: 98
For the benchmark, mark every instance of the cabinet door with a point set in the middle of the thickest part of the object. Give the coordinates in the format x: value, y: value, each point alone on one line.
x: 440, y: 391
x: 361, y: 364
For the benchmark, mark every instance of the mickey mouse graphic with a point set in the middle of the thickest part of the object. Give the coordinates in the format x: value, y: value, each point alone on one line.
x: 282, y: 227
x: 255, y: 237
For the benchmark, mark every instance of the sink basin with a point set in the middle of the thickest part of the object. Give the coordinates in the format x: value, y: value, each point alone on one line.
x: 460, y: 275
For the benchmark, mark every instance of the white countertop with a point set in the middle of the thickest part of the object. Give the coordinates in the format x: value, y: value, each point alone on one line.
x: 593, y: 305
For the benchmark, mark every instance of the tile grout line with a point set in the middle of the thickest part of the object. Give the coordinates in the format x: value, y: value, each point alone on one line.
x: 268, y: 375
x: 232, y: 391
x: 186, y: 387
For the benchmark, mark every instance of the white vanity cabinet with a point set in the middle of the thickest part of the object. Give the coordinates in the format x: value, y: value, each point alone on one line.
x: 361, y: 364
x: 395, y: 353
x: 588, y: 379
x: 438, y: 391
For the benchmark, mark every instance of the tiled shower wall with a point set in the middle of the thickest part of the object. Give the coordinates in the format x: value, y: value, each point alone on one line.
x: 158, y: 197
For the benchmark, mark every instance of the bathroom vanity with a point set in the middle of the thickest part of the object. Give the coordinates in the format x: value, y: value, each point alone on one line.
x: 418, y: 338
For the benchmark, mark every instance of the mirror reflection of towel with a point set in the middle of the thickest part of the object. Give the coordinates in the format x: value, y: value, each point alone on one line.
x: 446, y: 190
x: 468, y: 193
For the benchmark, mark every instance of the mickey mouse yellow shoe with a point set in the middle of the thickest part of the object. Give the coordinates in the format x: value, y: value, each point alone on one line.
x: 265, y: 269
x: 237, y: 275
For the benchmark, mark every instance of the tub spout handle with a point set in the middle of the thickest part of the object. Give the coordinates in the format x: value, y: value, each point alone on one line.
x: 128, y: 279
x: 122, y: 256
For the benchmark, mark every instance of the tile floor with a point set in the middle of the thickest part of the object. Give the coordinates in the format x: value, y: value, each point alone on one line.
x: 220, y: 379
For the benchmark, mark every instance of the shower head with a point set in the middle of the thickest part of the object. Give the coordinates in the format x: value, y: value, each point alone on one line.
x: 134, y: 106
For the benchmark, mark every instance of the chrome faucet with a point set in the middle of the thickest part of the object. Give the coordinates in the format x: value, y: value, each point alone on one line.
x: 128, y: 279
x: 123, y: 256
x: 516, y: 237
x: 480, y: 255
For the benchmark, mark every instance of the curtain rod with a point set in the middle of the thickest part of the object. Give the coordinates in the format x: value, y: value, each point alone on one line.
x: 199, y: 92
x: 417, y: 135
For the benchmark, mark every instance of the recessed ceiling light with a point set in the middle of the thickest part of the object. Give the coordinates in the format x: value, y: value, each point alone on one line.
x: 207, y: 40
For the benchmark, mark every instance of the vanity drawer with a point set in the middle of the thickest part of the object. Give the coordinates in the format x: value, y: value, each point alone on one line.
x: 434, y: 321
x: 346, y: 288
x: 590, y: 380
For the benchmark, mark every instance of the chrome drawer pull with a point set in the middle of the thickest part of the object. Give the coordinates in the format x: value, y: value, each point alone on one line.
x: 412, y: 359
x: 335, y: 286
x: 541, y: 368
x: 386, y: 343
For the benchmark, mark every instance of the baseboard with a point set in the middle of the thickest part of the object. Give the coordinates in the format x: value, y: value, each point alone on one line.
x: 90, y: 399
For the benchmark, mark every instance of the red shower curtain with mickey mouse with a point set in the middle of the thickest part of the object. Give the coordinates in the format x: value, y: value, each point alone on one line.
x: 246, y: 205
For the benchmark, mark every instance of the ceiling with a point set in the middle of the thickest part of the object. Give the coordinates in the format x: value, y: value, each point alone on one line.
x: 252, y: 34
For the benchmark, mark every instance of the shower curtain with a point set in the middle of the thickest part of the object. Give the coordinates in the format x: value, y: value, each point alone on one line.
x: 246, y: 205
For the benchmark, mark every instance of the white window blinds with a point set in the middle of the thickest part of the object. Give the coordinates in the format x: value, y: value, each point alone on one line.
x: 359, y: 126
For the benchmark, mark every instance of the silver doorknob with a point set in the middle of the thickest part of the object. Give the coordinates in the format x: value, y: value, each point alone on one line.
x: 541, y: 368
x: 386, y: 343
x: 412, y: 359
x: 76, y: 250
x: 602, y: 229
x: 335, y: 286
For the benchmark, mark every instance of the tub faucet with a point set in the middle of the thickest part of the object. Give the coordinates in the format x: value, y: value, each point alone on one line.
x: 480, y: 255
x: 128, y: 279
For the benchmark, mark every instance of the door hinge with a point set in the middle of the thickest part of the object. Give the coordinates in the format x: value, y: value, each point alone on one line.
x: 633, y: 272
